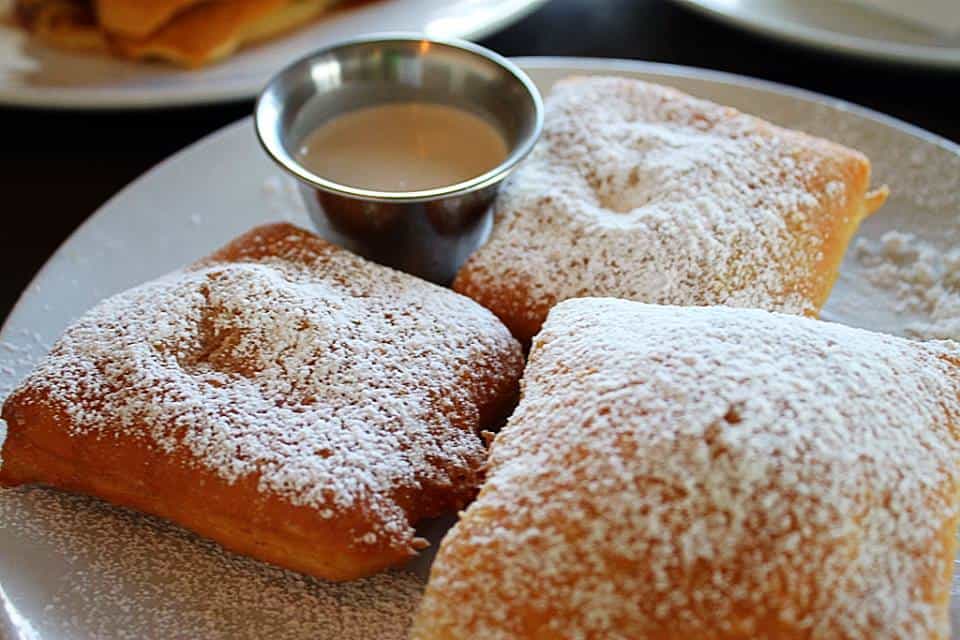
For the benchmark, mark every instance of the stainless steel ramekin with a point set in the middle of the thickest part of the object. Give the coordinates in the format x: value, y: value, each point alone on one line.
x: 429, y: 233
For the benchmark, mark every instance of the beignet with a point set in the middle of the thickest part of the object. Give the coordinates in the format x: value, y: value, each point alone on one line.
x: 639, y: 191
x: 211, y: 31
x: 676, y: 473
x: 283, y: 397
x: 188, y: 33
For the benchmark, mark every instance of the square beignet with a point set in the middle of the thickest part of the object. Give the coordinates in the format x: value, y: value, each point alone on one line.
x: 639, y: 191
x: 675, y: 473
x: 283, y: 397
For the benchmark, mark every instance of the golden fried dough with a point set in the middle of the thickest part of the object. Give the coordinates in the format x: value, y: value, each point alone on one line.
x: 138, y: 18
x: 707, y: 472
x: 189, y: 33
x: 639, y: 191
x: 212, y: 31
x: 283, y: 397
x: 65, y: 24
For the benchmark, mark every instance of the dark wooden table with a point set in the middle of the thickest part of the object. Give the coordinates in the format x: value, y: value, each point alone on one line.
x: 58, y: 167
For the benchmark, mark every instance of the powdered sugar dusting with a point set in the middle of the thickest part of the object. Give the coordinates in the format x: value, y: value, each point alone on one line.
x: 711, y: 470
x: 641, y: 192
x: 339, y: 382
x: 122, y: 575
x: 922, y: 278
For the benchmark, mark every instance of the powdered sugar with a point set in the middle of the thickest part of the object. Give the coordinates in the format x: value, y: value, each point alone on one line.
x: 921, y: 277
x: 340, y: 383
x: 707, y: 469
x: 641, y: 192
x: 121, y: 575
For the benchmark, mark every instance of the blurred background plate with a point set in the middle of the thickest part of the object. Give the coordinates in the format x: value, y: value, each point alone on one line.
x: 32, y: 74
x: 74, y: 567
x: 838, y: 26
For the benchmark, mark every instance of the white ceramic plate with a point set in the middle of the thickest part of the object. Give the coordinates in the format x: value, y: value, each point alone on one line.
x: 835, y: 25
x: 35, y: 75
x: 73, y: 567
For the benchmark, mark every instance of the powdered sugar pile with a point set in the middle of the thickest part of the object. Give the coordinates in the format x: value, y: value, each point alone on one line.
x: 340, y: 383
x: 641, y: 192
x: 708, y: 469
x: 921, y: 277
x: 123, y: 575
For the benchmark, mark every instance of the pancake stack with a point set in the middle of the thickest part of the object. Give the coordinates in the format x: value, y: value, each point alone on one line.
x: 188, y: 33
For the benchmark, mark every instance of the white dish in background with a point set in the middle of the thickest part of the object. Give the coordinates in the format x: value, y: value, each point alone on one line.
x: 837, y: 26
x: 74, y: 567
x: 32, y: 74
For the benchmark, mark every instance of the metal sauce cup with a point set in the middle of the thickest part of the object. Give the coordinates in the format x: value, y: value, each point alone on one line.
x: 428, y: 233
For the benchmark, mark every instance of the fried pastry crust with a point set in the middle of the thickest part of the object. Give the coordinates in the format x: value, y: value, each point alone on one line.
x: 188, y: 33
x: 283, y: 397
x: 639, y: 191
x: 706, y: 472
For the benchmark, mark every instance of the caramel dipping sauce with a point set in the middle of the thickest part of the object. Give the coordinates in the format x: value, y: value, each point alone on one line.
x: 404, y: 146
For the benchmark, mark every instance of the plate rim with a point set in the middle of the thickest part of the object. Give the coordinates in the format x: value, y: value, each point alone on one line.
x: 831, y: 41
x: 176, y: 97
x: 524, y: 62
